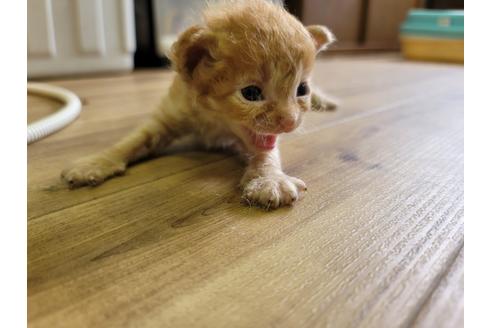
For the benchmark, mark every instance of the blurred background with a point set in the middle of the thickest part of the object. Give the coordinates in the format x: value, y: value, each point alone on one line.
x: 71, y: 37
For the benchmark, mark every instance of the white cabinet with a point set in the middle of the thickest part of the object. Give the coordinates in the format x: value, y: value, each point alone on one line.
x: 79, y: 36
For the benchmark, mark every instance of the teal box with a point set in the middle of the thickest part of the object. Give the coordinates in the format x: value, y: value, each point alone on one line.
x: 434, y: 35
x: 434, y: 23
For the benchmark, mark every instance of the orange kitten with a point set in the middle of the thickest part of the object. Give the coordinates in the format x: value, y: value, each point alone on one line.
x: 243, y: 78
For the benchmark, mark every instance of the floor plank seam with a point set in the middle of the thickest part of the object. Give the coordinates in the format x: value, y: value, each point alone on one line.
x: 125, y: 189
x: 413, y: 318
x: 373, y: 112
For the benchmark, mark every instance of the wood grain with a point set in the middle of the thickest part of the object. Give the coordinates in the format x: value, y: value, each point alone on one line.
x: 376, y: 242
x: 447, y: 299
x: 40, y: 107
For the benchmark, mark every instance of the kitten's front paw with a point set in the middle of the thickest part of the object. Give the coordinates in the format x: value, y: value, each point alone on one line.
x: 273, y: 191
x: 92, y: 170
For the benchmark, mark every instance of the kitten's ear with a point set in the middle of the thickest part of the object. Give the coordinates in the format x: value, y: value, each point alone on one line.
x: 192, y: 47
x: 321, y: 35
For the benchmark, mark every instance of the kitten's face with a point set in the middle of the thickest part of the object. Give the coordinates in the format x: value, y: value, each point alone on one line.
x: 267, y: 99
x: 250, y: 66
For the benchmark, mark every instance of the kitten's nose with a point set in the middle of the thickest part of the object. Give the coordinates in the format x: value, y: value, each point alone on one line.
x: 288, y: 123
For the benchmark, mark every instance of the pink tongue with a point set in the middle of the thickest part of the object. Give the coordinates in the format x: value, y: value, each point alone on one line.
x: 265, y: 141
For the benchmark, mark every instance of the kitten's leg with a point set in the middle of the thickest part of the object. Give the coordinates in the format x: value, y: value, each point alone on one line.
x: 321, y: 102
x: 265, y: 184
x: 154, y: 134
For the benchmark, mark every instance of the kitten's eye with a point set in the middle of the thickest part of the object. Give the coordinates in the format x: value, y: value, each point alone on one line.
x: 302, y: 89
x: 252, y: 93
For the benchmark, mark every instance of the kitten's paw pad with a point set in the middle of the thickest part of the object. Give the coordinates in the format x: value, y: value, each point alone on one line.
x: 91, y: 171
x: 273, y: 191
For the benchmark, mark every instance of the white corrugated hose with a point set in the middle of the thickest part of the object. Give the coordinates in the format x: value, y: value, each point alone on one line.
x: 54, y: 122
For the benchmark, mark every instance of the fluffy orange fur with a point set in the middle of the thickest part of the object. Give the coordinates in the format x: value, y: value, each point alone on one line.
x: 243, y: 78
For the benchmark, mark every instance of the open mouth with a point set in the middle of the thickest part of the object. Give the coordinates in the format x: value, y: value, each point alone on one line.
x: 261, y: 140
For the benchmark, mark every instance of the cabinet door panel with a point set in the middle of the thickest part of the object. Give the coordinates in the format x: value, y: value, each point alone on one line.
x: 383, y: 22
x: 91, y: 27
x: 343, y: 17
x: 40, y: 30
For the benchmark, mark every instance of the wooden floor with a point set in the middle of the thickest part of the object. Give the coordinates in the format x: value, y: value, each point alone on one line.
x: 376, y: 242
